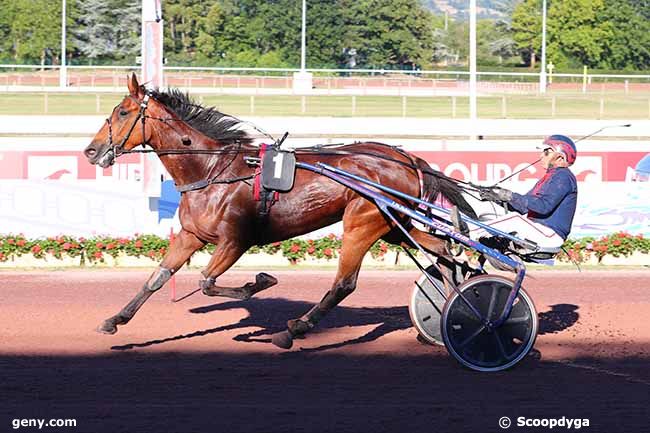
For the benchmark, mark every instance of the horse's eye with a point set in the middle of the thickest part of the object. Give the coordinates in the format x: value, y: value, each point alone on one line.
x: 123, y: 112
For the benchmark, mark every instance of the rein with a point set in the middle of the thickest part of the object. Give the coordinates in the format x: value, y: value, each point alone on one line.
x: 118, y: 149
x: 465, y: 186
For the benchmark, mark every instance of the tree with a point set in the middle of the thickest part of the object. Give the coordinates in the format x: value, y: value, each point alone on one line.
x: 642, y: 7
x: 94, y: 34
x: 527, y: 30
x: 394, y: 33
x: 127, y: 15
x: 108, y: 29
x: 30, y: 32
x: 599, y: 34
x: 629, y: 44
x: 450, y: 41
x: 576, y: 32
x: 500, y: 43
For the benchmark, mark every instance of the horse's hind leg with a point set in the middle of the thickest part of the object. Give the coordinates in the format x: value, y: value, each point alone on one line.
x: 180, y: 251
x: 357, y: 240
x: 222, y: 259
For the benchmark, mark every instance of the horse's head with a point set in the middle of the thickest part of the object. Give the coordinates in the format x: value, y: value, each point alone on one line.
x: 123, y: 130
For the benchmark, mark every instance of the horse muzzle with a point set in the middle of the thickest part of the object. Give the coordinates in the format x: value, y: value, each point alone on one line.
x: 102, y: 157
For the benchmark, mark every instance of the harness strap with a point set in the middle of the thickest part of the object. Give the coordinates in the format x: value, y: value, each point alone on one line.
x: 261, y: 194
x: 257, y: 184
x: 207, y: 182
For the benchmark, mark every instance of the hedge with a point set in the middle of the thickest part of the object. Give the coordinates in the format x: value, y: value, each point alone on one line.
x: 95, y: 249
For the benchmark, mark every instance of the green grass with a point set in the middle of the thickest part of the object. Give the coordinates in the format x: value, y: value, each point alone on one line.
x: 567, y: 106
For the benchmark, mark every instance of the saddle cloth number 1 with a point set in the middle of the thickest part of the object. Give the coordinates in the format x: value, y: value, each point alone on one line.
x: 278, y: 170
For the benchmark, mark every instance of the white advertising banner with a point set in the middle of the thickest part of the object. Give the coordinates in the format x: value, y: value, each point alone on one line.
x: 46, y: 193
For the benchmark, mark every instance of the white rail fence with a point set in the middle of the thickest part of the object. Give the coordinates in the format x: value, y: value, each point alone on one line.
x: 327, y: 81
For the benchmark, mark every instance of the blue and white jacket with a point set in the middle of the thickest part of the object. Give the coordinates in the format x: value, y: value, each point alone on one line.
x: 551, y: 202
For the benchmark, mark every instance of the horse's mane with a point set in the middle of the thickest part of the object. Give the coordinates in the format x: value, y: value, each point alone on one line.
x: 207, y: 120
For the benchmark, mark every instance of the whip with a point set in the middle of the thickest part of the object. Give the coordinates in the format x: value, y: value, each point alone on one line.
x: 627, y: 125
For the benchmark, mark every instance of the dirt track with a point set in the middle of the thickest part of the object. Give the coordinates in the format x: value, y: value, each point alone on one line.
x: 206, y: 364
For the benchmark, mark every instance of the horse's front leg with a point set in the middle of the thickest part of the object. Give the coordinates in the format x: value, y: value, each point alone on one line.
x: 184, y: 245
x: 224, y: 256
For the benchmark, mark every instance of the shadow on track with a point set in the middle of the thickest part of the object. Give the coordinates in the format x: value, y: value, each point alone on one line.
x: 559, y: 318
x: 270, y: 316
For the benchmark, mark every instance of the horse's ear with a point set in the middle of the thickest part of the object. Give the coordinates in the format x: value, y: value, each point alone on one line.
x: 134, y: 86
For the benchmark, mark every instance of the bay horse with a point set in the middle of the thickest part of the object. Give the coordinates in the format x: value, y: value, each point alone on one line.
x: 203, y: 149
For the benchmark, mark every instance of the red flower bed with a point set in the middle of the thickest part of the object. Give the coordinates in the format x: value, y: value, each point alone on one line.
x: 95, y: 249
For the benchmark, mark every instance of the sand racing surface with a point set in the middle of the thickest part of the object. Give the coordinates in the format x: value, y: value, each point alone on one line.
x: 207, y: 365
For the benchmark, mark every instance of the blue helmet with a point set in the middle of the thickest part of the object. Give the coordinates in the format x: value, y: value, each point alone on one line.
x: 564, y: 145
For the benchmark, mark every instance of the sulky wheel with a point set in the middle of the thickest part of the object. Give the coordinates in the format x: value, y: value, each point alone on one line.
x: 474, y: 345
x: 426, y: 306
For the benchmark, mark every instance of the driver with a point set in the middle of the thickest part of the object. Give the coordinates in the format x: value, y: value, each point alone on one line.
x: 548, y: 208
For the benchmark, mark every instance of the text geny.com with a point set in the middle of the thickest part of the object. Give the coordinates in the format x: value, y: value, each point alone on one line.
x: 40, y: 423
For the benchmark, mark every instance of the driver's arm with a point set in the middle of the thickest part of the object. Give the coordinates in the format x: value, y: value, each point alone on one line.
x: 547, y: 197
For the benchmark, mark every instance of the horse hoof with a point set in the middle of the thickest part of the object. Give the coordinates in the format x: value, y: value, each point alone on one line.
x: 107, y: 328
x: 283, y: 340
x: 265, y: 280
x: 208, y: 292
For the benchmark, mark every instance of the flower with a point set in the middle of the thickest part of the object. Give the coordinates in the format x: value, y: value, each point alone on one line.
x: 36, y: 249
x: 327, y: 252
x: 295, y: 248
x: 21, y: 242
x: 276, y: 244
x: 66, y: 246
x: 138, y: 244
x: 99, y: 245
x: 616, y: 242
x: 311, y: 250
x: 110, y: 246
x: 122, y: 241
x: 2, y: 257
x: 98, y: 255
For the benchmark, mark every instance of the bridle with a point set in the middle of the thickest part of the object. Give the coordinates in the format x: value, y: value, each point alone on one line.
x: 115, y: 150
x: 118, y: 149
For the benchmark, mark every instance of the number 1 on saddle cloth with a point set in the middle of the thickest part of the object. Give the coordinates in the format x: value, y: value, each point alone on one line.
x: 276, y: 174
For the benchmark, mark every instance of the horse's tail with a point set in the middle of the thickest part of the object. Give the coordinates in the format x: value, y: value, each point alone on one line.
x: 435, y: 183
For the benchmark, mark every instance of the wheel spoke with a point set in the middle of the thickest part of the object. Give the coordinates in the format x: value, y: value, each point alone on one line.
x: 493, y: 299
x: 516, y: 320
x: 475, y: 334
x: 465, y: 313
x: 500, y: 345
